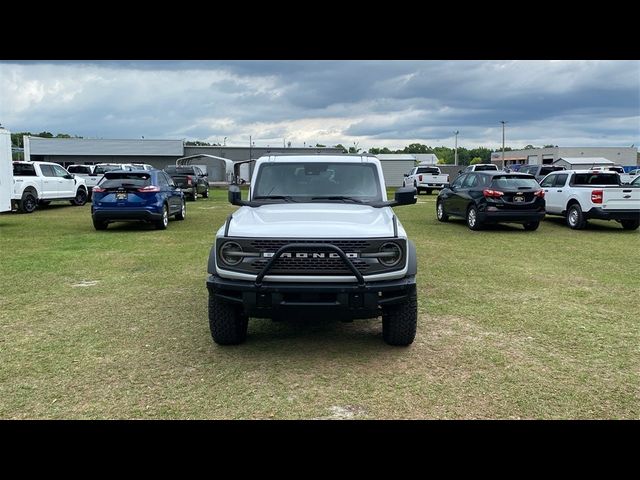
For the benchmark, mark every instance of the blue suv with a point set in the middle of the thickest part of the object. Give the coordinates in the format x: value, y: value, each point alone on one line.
x: 138, y: 195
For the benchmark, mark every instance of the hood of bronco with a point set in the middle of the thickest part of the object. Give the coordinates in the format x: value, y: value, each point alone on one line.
x: 313, y: 220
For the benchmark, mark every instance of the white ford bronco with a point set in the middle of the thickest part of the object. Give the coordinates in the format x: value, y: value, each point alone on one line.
x: 316, y: 237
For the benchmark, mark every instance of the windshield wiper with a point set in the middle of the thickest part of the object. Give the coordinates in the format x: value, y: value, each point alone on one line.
x: 338, y: 197
x: 286, y: 198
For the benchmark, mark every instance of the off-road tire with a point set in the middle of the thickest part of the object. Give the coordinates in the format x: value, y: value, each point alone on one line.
x: 399, y: 322
x: 531, y: 226
x: 100, y: 224
x: 194, y: 195
x: 440, y: 215
x: 28, y: 203
x: 472, y: 218
x: 630, y: 224
x: 181, y: 215
x: 227, y: 323
x: 575, y: 217
x: 428, y: 191
x: 80, y: 199
x: 206, y: 193
x: 163, y: 223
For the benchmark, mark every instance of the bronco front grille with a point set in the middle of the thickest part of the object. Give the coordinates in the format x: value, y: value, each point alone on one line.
x: 345, y: 245
x: 310, y: 266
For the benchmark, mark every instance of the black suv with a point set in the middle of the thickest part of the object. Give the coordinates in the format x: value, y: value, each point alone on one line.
x: 191, y: 179
x: 492, y: 197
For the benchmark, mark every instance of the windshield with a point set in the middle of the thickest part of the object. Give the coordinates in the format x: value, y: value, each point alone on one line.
x: 479, y: 168
x: 636, y: 181
x: 187, y: 170
x: 307, y: 181
x: 519, y: 182
x: 78, y: 169
x: 107, y: 168
x: 596, y: 178
x: 431, y: 170
x: 124, y: 178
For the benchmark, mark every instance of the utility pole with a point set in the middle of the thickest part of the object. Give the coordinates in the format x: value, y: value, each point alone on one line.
x: 503, y: 123
x: 455, y: 155
x: 250, y: 157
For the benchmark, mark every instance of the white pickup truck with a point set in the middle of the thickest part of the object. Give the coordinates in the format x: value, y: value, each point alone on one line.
x: 625, y: 178
x: 427, y: 178
x: 580, y: 195
x: 41, y: 182
x: 86, y: 172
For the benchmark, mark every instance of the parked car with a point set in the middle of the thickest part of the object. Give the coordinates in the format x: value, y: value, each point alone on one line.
x: 493, y: 197
x: 102, y: 168
x: 540, y: 171
x: 480, y: 167
x: 138, y: 195
x: 580, y: 195
x: 425, y: 178
x: 40, y: 183
x: 191, y: 179
x: 86, y: 172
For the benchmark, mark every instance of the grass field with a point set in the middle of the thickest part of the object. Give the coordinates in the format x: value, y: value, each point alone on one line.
x: 512, y: 324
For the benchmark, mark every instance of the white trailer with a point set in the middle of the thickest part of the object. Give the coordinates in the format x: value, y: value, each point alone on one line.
x: 6, y: 170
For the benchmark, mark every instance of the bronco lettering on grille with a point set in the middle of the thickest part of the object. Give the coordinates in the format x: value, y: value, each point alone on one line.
x: 309, y: 255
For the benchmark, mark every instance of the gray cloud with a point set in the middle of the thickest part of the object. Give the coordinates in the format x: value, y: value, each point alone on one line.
x: 376, y: 103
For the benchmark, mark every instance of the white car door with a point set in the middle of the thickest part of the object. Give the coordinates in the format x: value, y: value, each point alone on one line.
x: 49, y: 182
x: 554, y: 194
x: 66, y: 186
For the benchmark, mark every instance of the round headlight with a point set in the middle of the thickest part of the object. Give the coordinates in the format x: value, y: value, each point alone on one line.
x: 230, y: 253
x: 393, y: 254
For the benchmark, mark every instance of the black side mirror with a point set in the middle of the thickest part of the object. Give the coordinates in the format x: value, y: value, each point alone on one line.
x: 406, y: 196
x: 405, y: 174
x: 459, y: 171
x: 69, y: 176
x: 234, y: 195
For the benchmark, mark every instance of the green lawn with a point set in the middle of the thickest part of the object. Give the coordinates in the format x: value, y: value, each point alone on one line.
x: 512, y: 324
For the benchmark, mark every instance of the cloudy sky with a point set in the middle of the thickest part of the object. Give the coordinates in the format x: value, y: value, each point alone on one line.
x: 374, y: 103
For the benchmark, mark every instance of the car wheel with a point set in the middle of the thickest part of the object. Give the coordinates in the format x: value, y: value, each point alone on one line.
x: 100, y: 224
x: 428, y: 191
x: 28, y: 203
x: 206, y: 193
x: 163, y: 223
x: 530, y: 226
x: 472, y: 218
x: 443, y: 217
x: 194, y: 197
x: 575, y: 217
x: 183, y: 211
x: 400, y: 322
x: 81, y: 198
x: 227, y: 323
x: 630, y: 224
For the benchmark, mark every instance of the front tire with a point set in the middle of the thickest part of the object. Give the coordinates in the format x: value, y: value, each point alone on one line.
x: 400, y: 322
x: 80, y: 199
x: 531, y: 226
x: 163, y: 223
x: 206, y: 193
x: 630, y: 224
x: 227, y: 323
x: 575, y: 217
x: 473, y: 222
x: 100, y: 224
x: 443, y: 217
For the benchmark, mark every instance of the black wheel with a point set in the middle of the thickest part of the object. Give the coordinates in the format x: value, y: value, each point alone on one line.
x: 163, y: 223
x: 194, y: 197
x: 575, y: 217
x: 428, y: 191
x: 100, y: 224
x: 473, y: 222
x: 206, y: 193
x: 443, y: 217
x: 630, y: 224
x: 81, y: 198
x: 28, y: 203
x: 531, y: 226
x: 399, y: 322
x: 183, y: 211
x: 227, y: 323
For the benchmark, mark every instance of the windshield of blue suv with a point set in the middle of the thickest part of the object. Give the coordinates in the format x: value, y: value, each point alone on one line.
x: 124, y: 178
x: 315, y: 181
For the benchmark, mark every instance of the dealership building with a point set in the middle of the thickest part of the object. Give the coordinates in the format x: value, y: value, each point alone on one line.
x: 625, y: 156
x: 157, y: 153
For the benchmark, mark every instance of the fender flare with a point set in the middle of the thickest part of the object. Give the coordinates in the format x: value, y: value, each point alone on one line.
x: 412, y: 259
x: 211, y: 266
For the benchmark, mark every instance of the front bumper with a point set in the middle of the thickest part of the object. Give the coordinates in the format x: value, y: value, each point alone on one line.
x: 601, y: 214
x: 340, y: 300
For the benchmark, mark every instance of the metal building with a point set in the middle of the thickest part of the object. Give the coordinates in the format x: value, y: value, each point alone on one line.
x: 578, y: 163
x: 625, y: 156
x: 394, y: 166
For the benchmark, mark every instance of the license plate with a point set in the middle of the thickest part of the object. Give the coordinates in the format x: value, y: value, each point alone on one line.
x: 121, y: 195
x: 518, y: 198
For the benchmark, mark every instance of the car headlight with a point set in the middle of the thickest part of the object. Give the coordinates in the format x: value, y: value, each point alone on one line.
x: 392, y: 254
x: 231, y: 253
